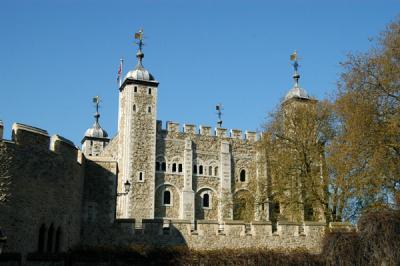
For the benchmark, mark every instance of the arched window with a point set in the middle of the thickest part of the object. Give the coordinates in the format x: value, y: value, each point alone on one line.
x: 135, y: 89
x: 42, y: 238
x: 134, y: 108
x: 210, y: 170
x: 58, y: 240
x: 195, y: 169
x: 167, y: 197
x: 216, y: 171
x: 174, y: 167
x: 50, y: 238
x: 158, y: 166
x: 180, y: 168
x: 243, y: 175
x: 163, y: 166
x: 200, y: 170
x: 206, y: 200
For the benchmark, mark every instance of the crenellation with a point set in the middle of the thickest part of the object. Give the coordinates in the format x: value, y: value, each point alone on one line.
x: 30, y: 136
x: 159, y: 126
x: 250, y: 136
x: 172, y: 127
x: 1, y: 129
x: 63, y: 146
x: 189, y: 129
x: 236, y: 134
x: 220, y: 132
x: 205, y: 130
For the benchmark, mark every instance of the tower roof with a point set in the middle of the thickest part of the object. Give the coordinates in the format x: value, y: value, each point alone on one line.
x: 96, y: 131
x: 139, y: 72
x: 296, y: 91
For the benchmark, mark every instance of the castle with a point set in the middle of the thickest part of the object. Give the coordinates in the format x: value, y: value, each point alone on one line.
x: 146, y: 185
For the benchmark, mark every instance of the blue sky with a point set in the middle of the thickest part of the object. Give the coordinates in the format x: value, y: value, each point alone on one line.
x: 56, y: 54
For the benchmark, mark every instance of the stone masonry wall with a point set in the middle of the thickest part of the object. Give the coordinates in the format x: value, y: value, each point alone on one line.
x: 41, y: 187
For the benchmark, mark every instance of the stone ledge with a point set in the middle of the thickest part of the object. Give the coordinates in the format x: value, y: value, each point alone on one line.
x: 207, y: 222
x: 313, y: 223
x: 261, y: 223
x: 288, y: 223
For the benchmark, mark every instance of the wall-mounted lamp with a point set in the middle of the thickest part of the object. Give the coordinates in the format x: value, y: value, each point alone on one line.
x: 127, y: 187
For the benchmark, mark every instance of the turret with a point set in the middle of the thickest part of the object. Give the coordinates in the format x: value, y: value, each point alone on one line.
x: 96, y: 138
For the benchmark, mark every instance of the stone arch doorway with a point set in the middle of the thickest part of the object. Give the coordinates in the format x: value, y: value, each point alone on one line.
x: 243, y: 206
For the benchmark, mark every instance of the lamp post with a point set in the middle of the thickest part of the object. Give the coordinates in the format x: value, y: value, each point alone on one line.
x: 3, y: 240
x: 127, y: 187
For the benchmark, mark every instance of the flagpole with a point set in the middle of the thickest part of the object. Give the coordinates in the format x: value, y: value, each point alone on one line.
x: 122, y: 65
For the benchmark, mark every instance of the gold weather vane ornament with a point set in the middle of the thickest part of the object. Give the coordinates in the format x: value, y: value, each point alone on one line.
x: 139, y: 36
x: 296, y: 76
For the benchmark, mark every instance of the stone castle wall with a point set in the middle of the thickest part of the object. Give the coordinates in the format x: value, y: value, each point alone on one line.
x: 41, y: 184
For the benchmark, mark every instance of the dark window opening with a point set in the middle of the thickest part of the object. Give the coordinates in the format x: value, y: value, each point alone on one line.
x: 58, y: 240
x: 140, y: 176
x: 243, y: 175
x: 149, y: 91
x: 274, y: 210
x: 135, y: 89
x: 163, y: 166
x: 206, y: 200
x: 194, y: 169
x: 174, y: 167
x: 149, y: 109
x: 158, y: 168
x: 180, y: 168
x: 50, y: 238
x: 308, y: 212
x: 42, y: 237
x: 134, y: 107
x: 200, y: 169
x: 216, y: 171
x: 210, y: 170
x: 167, y: 197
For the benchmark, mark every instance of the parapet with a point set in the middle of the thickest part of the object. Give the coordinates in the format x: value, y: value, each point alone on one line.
x: 30, y: 136
x: 63, y: 146
x: 1, y: 130
x: 189, y: 129
x: 174, y: 127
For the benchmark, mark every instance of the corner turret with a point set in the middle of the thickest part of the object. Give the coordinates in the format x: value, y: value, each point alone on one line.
x: 96, y: 138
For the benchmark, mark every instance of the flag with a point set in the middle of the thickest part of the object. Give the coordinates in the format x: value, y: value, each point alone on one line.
x: 119, y: 71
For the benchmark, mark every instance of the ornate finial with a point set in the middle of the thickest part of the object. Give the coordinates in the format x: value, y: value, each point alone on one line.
x: 219, y: 113
x: 139, y: 37
x: 96, y: 101
x: 296, y: 76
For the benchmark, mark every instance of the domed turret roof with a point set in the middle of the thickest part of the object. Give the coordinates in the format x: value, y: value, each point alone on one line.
x: 139, y: 72
x: 297, y: 92
x: 96, y: 131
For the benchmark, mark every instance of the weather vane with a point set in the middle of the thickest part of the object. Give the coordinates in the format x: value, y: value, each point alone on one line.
x: 219, y: 109
x: 139, y: 37
x: 96, y: 101
x: 295, y: 58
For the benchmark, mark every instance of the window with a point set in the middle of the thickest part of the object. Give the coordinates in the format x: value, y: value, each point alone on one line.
x: 141, y: 176
x: 50, y: 238
x: 206, y: 200
x: 180, y: 168
x: 194, y: 169
x: 158, y: 166
x: 134, y: 107
x: 163, y: 166
x: 173, y: 167
x: 167, y: 197
x: 200, y: 170
x: 58, y: 240
x: 210, y: 170
x: 42, y: 236
x: 216, y: 171
x: 149, y: 109
x: 149, y: 91
x: 243, y: 175
x: 135, y: 89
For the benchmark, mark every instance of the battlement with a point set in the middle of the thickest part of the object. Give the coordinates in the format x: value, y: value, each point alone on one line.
x: 174, y: 127
x: 210, y: 234
x: 63, y: 146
